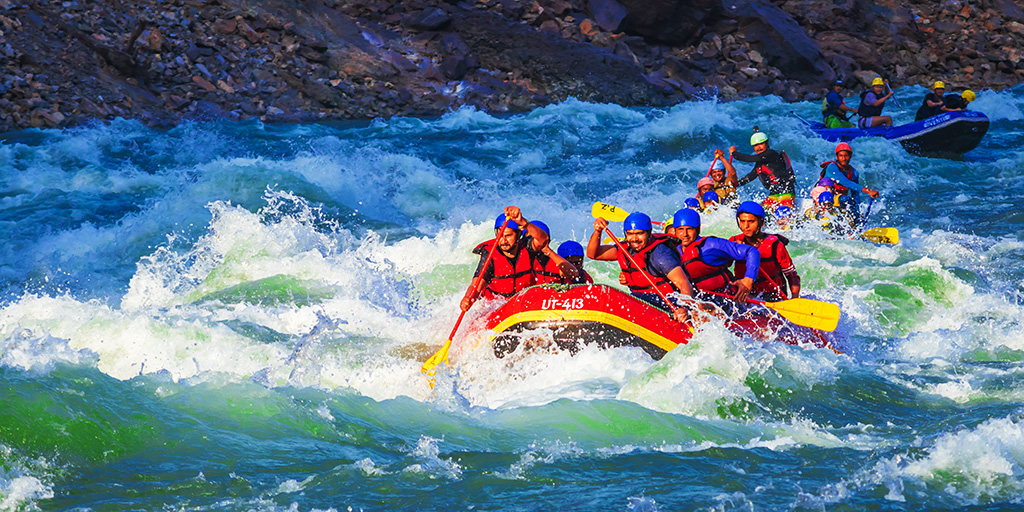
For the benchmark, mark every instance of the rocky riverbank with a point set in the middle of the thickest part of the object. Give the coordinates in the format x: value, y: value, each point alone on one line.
x: 67, y: 62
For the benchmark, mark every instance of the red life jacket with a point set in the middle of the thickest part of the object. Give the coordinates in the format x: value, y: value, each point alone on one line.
x: 849, y: 175
x: 769, y: 267
x: 634, y: 278
x: 702, y: 275
x: 510, y: 275
x: 545, y: 270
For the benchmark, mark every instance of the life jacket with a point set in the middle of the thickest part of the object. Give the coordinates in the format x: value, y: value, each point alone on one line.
x: 702, y: 275
x: 726, y: 192
x: 769, y: 176
x: 545, y: 270
x: 635, y: 280
x: 510, y: 275
x: 866, y: 109
x: 849, y: 175
x: 769, y: 265
x: 831, y: 110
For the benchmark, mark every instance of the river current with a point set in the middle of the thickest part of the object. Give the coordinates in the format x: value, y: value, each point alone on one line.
x: 232, y: 316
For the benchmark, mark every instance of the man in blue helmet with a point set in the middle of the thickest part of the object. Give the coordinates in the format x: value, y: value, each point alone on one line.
x: 572, y: 252
x: 657, y: 259
x: 777, y: 275
x: 548, y: 266
x: 706, y: 260
x: 511, y: 270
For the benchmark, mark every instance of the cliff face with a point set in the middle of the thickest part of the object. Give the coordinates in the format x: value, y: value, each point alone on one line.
x: 291, y: 60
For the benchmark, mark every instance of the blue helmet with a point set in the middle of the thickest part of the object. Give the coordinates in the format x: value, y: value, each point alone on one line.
x: 637, y: 220
x: 783, y: 211
x: 686, y: 218
x: 692, y: 202
x: 710, y: 196
x: 752, y: 207
x: 501, y: 221
x: 570, y: 248
x: 825, y: 198
x: 543, y: 227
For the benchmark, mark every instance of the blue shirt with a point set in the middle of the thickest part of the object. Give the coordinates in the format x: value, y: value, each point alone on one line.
x: 832, y: 171
x: 720, y: 252
x: 663, y: 260
x: 834, y: 99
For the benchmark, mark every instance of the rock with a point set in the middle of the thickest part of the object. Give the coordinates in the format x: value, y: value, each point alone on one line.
x: 431, y: 18
x: 675, y: 22
x: 225, y: 26
x: 205, y: 84
x: 354, y: 62
x: 786, y: 44
x: 155, y: 40
x: 608, y: 14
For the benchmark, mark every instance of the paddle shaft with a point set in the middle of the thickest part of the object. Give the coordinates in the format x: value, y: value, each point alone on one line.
x: 864, y: 219
x: 647, y: 276
x: 894, y: 100
x: 475, y: 286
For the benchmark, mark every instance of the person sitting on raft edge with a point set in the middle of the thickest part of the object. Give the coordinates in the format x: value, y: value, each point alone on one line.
x: 774, y: 170
x: 777, y: 274
x: 511, y: 270
x: 834, y: 109
x: 654, y: 255
x: 706, y: 260
x: 846, y: 181
x: 872, y: 101
x: 723, y: 179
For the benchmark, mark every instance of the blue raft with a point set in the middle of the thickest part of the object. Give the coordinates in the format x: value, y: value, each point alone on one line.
x: 950, y: 132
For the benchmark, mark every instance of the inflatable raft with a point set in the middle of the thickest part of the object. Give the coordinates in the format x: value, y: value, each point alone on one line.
x: 572, y: 316
x: 947, y: 133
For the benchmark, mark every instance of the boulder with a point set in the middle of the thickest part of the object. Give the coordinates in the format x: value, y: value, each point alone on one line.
x: 608, y: 14
x: 431, y: 18
x: 669, y: 21
x: 778, y: 37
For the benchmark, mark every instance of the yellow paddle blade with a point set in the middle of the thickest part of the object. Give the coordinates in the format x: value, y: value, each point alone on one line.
x: 609, y: 212
x: 435, y: 360
x: 889, y: 236
x: 609, y: 240
x: 811, y: 313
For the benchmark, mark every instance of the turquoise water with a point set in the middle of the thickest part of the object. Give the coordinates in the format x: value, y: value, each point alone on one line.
x: 232, y: 316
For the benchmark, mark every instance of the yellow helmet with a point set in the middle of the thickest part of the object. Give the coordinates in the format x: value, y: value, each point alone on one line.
x: 877, y: 81
x: 968, y: 95
x: 939, y: 85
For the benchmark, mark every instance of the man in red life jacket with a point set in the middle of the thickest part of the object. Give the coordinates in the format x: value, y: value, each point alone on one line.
x: 777, y: 273
x: 658, y: 261
x: 572, y: 251
x: 511, y: 270
x: 706, y: 260
x: 548, y: 266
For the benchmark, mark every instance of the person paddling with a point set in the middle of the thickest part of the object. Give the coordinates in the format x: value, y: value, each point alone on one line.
x: 872, y: 102
x: 707, y: 259
x: 511, y: 270
x: 777, y: 275
x: 933, y: 102
x: 954, y: 103
x: 572, y: 251
x: 654, y: 256
x: 834, y: 109
x: 846, y: 181
x: 772, y: 167
x: 723, y: 186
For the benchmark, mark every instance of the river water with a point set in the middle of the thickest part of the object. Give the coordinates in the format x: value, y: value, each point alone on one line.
x: 232, y: 316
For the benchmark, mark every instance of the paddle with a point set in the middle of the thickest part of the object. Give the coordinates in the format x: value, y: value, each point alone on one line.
x: 894, y: 100
x: 890, y: 236
x: 613, y: 213
x: 811, y: 313
x: 607, y: 212
x: 441, y: 355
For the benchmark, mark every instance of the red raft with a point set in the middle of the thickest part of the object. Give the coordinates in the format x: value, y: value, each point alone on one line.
x: 584, y: 314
